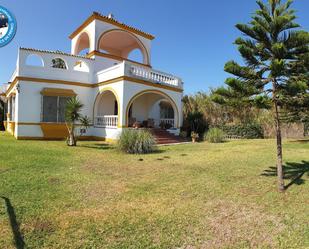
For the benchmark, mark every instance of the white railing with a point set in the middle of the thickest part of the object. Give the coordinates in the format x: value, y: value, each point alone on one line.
x: 169, y: 121
x: 155, y: 76
x: 106, y: 121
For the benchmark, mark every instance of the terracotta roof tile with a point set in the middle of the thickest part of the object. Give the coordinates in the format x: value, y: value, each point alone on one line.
x: 97, y: 15
x: 55, y: 52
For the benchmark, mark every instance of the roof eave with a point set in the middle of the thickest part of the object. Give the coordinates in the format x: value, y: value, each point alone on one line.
x: 98, y: 16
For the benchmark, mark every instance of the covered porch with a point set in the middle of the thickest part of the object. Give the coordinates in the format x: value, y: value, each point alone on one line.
x: 152, y: 110
x: 145, y: 110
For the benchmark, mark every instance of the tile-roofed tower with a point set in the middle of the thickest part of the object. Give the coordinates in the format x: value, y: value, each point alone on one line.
x: 104, y: 36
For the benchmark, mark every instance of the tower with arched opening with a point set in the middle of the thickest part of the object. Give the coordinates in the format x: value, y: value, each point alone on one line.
x: 109, y: 41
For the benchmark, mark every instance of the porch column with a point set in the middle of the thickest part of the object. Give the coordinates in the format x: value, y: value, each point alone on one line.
x: 8, y: 115
x: 122, y: 114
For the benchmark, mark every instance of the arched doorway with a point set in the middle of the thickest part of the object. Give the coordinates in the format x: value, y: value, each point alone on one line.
x: 106, y: 109
x: 121, y: 43
x: 152, y: 109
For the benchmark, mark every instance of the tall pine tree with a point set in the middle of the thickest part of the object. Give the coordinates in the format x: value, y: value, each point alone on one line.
x: 276, y: 64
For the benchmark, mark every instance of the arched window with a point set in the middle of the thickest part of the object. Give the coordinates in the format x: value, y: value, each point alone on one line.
x: 121, y: 43
x: 136, y: 55
x: 34, y: 60
x: 58, y: 63
x: 82, y: 44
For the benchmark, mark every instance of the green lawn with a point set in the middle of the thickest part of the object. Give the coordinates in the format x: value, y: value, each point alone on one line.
x: 186, y: 196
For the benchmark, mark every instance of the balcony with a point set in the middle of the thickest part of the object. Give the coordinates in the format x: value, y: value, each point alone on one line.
x: 134, y: 70
x: 81, y: 69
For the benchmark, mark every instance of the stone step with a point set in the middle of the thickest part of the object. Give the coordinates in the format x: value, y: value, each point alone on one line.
x: 164, y: 137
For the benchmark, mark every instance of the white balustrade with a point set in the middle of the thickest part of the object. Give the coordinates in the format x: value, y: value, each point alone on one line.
x: 155, y: 76
x: 106, y: 121
x: 169, y: 121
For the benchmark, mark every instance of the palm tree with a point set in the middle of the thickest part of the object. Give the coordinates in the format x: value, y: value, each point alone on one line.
x: 72, y: 116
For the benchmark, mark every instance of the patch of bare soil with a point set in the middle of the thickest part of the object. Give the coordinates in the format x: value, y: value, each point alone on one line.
x: 39, y: 226
x: 244, y: 225
x: 53, y: 180
x: 239, y: 226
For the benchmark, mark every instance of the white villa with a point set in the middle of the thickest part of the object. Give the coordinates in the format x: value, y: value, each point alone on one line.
x: 116, y: 92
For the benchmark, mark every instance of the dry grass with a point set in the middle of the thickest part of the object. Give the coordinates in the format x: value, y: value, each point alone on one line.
x: 187, y: 196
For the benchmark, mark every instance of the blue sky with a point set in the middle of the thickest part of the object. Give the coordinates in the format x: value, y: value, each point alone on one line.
x: 194, y: 38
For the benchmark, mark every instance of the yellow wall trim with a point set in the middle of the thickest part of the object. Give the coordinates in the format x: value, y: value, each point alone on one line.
x: 97, y: 16
x: 13, y: 83
x: 58, y: 92
x: 45, y: 123
x: 148, y: 83
x: 54, y: 130
x: 10, y: 127
x: 26, y: 123
x: 107, y: 82
x: 115, y: 57
x: 82, y: 138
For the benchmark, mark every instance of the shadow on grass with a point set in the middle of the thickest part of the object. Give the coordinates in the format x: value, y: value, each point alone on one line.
x: 18, y: 238
x: 302, y: 141
x: 292, y: 171
x: 157, y: 151
x: 98, y: 146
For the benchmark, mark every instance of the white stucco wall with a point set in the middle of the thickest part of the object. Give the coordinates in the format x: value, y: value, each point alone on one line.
x: 29, y: 106
x: 47, y: 72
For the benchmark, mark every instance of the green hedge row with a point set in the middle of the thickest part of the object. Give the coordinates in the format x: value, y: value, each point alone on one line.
x: 244, y: 130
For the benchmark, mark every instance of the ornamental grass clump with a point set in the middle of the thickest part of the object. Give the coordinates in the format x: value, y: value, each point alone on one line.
x: 136, y: 142
x: 215, y: 135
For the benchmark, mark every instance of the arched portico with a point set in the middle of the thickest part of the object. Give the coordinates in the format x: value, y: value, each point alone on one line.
x: 121, y: 43
x: 106, y: 111
x: 145, y: 106
x: 82, y: 45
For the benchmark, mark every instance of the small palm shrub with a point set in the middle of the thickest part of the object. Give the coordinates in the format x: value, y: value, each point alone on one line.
x: 136, y: 141
x: 215, y: 135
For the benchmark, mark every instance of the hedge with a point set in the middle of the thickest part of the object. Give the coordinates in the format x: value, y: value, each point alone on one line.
x: 248, y: 131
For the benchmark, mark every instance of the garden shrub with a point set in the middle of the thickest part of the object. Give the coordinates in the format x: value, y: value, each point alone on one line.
x: 215, y: 135
x: 195, y: 122
x: 183, y: 134
x: 249, y: 131
x: 136, y: 141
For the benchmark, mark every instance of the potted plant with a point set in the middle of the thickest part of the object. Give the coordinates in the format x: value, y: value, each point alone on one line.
x: 194, y: 136
x: 137, y: 125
